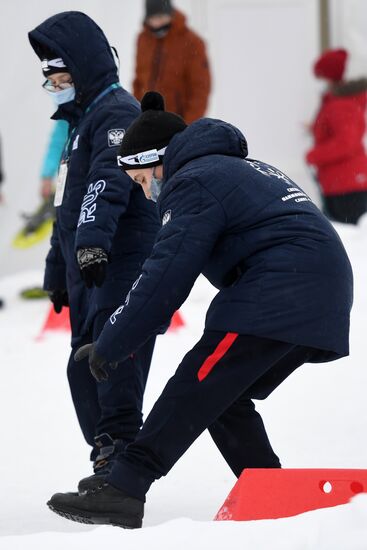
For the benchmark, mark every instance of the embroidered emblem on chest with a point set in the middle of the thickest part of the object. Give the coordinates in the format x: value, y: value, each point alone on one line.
x: 115, y: 137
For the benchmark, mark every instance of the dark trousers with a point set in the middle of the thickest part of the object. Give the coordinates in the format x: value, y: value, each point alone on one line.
x: 346, y: 208
x: 212, y: 388
x: 113, y: 406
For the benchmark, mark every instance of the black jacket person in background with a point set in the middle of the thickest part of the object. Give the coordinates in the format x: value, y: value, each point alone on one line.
x: 284, y: 298
x: 104, y: 228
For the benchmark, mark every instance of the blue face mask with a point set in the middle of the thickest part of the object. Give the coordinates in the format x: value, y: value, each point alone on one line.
x: 155, y: 188
x: 63, y: 96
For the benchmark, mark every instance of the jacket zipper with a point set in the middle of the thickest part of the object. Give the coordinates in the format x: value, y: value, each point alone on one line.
x: 156, y: 65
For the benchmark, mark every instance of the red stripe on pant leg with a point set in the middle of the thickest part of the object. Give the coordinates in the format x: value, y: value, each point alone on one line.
x: 218, y: 353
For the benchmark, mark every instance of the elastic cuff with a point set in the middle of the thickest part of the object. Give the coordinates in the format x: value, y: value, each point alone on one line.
x: 125, y: 477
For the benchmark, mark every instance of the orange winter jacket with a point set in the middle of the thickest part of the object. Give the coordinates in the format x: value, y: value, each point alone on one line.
x: 175, y: 66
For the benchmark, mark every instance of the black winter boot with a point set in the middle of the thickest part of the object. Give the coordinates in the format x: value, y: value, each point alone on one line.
x: 108, y: 449
x: 91, y: 483
x: 103, y: 506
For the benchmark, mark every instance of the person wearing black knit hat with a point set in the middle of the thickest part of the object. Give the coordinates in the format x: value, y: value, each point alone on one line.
x: 146, y: 141
x: 152, y: 130
x: 277, y: 263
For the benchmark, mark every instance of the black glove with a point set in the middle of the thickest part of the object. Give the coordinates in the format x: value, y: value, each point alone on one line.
x: 97, y: 364
x: 93, y: 265
x: 59, y: 298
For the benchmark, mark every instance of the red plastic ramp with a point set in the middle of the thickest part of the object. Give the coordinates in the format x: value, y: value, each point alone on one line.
x: 267, y: 493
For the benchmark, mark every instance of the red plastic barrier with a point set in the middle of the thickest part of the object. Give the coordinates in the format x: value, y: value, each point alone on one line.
x: 267, y: 493
x: 56, y: 322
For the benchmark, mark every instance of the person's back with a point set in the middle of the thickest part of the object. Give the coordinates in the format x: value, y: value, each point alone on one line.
x: 274, y: 244
x: 275, y: 258
x: 172, y: 60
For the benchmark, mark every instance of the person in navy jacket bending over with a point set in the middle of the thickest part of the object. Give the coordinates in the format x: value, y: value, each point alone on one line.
x: 284, y: 297
x: 104, y: 227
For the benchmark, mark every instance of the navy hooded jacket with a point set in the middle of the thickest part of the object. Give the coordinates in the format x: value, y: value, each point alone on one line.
x: 101, y: 206
x: 280, y: 267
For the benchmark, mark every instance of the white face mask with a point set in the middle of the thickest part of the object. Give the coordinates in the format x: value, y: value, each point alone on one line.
x: 155, y: 188
x: 63, y: 96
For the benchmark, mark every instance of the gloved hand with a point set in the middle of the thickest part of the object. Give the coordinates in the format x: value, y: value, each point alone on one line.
x: 97, y: 364
x: 93, y: 265
x: 59, y: 298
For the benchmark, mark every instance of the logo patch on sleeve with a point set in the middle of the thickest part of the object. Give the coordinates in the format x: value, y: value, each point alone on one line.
x: 115, y: 137
x: 166, y: 217
x: 76, y: 143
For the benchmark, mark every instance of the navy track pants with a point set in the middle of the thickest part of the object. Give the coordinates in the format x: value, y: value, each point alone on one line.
x: 212, y: 388
x: 113, y: 406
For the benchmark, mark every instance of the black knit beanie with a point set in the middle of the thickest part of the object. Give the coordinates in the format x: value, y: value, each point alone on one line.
x: 157, y: 7
x: 52, y: 63
x: 146, y: 140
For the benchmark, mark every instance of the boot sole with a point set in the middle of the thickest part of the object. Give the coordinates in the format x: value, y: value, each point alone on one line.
x: 103, y: 519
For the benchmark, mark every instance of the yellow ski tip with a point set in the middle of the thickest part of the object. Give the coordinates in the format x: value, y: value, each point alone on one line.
x: 22, y: 240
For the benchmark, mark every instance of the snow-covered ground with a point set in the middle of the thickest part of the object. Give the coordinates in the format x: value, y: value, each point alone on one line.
x: 317, y: 418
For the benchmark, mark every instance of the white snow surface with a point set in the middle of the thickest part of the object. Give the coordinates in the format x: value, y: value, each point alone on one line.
x: 317, y: 418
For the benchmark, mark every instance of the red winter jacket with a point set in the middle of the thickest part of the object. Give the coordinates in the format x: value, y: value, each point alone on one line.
x: 338, y: 130
x: 176, y: 66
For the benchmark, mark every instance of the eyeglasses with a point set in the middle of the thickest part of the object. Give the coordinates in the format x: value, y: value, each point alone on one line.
x: 47, y: 85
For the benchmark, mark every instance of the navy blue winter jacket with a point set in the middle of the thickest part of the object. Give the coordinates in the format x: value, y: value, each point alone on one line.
x: 101, y: 206
x: 280, y: 267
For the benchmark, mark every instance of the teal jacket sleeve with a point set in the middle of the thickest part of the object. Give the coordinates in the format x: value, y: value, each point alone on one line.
x: 55, y: 147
